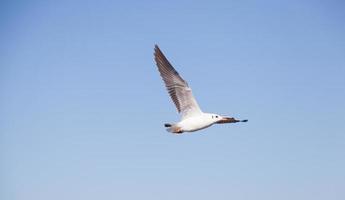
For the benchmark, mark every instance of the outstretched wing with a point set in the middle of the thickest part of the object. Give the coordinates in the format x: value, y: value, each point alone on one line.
x: 178, y: 89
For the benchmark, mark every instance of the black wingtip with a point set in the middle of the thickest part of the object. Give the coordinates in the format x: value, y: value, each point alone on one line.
x: 157, y: 50
x: 167, y: 125
x: 245, y: 120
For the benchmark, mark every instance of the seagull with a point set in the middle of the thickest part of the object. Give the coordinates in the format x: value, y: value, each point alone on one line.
x: 192, y: 118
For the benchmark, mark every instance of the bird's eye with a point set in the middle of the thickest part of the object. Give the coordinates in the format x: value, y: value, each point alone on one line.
x: 216, y: 116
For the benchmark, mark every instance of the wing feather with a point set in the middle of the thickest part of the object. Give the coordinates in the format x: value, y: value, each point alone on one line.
x: 178, y: 89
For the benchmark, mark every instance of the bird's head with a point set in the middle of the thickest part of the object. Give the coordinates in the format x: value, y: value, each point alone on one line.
x: 219, y: 119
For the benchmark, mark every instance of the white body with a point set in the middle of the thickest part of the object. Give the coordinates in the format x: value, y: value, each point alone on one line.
x: 197, y: 122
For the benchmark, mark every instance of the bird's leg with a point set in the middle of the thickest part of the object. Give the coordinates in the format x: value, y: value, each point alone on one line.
x: 178, y: 131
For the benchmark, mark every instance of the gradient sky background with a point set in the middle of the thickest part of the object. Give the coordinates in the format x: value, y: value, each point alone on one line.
x: 83, y: 106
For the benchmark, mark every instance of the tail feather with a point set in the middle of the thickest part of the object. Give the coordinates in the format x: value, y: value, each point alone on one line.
x: 172, y: 128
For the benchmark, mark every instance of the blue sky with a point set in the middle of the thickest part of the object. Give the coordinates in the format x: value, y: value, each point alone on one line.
x: 83, y: 106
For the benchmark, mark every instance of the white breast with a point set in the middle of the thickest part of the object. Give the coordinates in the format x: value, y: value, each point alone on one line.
x: 195, y: 123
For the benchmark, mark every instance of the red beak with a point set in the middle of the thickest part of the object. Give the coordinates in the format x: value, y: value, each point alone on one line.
x: 225, y: 120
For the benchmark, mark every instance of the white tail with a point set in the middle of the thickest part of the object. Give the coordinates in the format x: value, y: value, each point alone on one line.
x: 172, y: 128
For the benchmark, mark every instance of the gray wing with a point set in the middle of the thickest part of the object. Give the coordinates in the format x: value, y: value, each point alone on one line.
x: 178, y: 89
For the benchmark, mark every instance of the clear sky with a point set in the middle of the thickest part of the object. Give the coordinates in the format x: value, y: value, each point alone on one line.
x: 82, y: 104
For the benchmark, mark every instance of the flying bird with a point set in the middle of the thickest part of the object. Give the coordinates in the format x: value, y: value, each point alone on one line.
x: 192, y: 118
